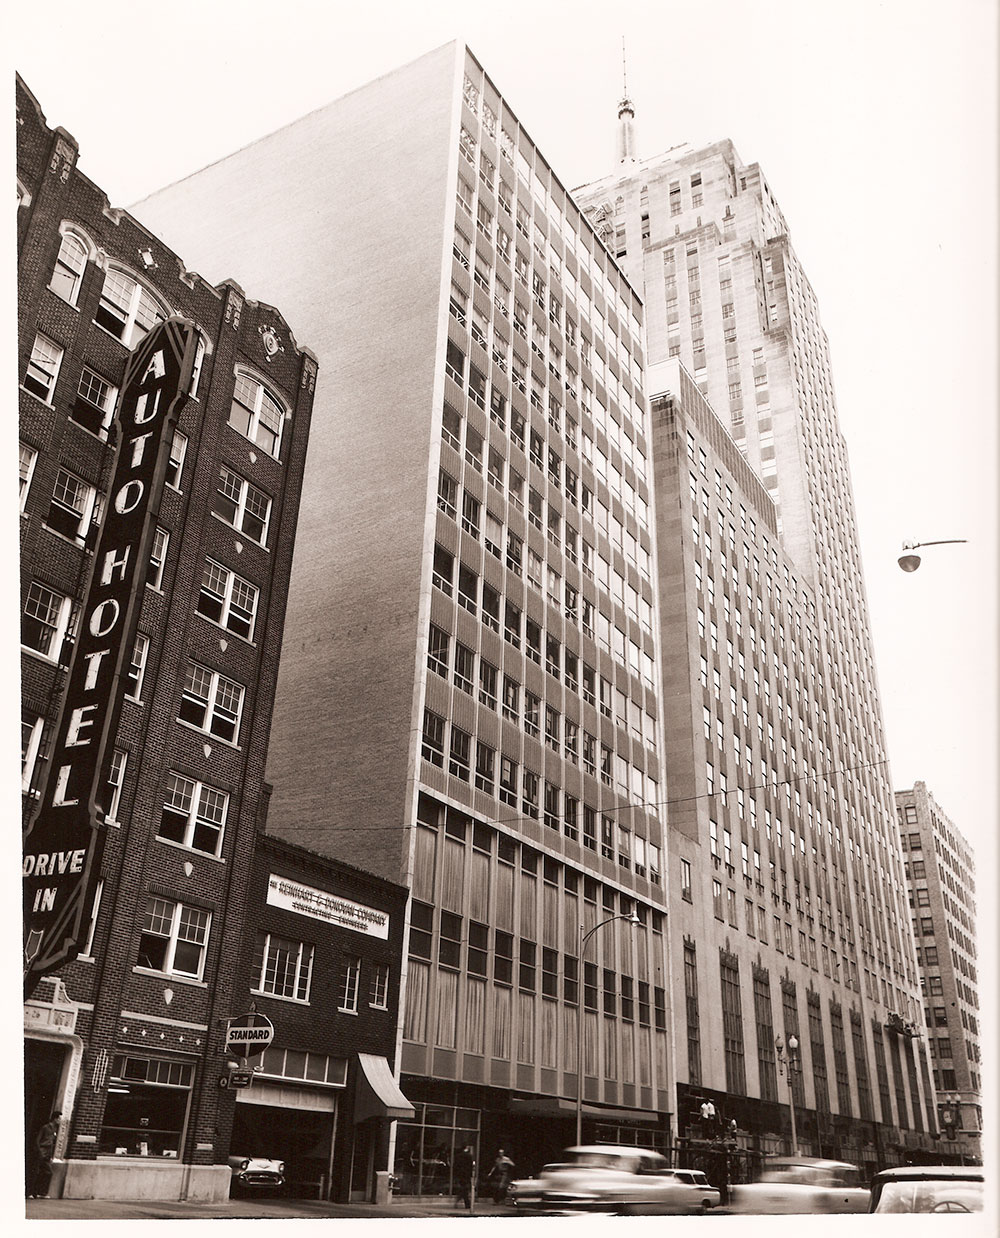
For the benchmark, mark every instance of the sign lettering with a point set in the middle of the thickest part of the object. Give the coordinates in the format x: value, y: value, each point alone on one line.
x: 64, y: 840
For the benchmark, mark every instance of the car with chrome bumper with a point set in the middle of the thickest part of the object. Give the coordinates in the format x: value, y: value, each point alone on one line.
x: 621, y: 1180
x: 256, y: 1175
x: 801, y: 1185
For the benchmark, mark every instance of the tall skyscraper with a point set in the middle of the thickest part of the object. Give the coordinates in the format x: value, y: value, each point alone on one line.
x: 469, y: 699
x: 791, y: 765
x: 941, y: 879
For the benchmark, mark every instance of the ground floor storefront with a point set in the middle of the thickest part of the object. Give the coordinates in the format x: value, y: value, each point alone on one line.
x: 531, y: 1130
x: 150, y: 1116
x: 743, y: 1131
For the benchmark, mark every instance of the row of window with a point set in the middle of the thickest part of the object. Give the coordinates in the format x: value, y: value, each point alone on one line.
x: 561, y: 224
x: 560, y: 662
x: 284, y: 968
x: 255, y: 411
x: 518, y: 962
x: 560, y: 535
x: 540, y: 799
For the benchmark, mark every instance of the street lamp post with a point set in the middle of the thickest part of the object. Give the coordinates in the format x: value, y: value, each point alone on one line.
x: 910, y: 562
x: 793, y: 1058
x: 631, y: 918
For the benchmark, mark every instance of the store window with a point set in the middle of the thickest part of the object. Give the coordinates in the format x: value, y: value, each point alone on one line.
x: 426, y: 1146
x: 147, y: 1106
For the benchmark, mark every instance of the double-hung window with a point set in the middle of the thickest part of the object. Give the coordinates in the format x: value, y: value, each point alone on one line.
x: 95, y: 403
x: 67, y: 275
x: 175, y: 464
x: 347, y: 999
x: 137, y: 667
x: 173, y: 937
x: 211, y: 702
x: 243, y: 506
x: 194, y: 814
x: 116, y: 781
x: 227, y: 599
x: 378, y: 993
x: 127, y: 310
x: 26, y: 463
x: 281, y: 967
x: 45, y: 620
x: 157, y: 559
x: 43, y: 368
x: 72, y: 507
x: 257, y: 414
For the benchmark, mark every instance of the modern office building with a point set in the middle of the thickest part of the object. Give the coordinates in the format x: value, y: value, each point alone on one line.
x: 469, y: 696
x: 941, y: 879
x: 126, y: 1041
x: 791, y: 764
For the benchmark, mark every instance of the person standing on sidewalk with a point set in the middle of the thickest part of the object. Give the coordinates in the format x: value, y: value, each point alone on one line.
x: 45, y: 1146
x: 465, y: 1167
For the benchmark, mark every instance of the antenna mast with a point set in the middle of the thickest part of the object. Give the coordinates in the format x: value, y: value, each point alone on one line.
x: 626, y: 115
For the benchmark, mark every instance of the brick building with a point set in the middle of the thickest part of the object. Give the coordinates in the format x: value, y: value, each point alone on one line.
x: 940, y: 873
x: 320, y: 956
x: 486, y: 652
x: 126, y: 1040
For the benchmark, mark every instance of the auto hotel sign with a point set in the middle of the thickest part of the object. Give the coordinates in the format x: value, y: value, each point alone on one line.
x: 64, y: 841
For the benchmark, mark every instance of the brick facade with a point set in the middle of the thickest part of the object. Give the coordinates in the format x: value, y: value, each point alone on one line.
x: 118, y: 1007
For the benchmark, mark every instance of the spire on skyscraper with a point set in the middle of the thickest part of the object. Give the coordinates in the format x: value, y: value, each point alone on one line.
x: 626, y: 117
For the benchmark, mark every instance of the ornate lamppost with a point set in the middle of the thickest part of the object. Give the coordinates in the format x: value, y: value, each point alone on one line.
x: 793, y: 1064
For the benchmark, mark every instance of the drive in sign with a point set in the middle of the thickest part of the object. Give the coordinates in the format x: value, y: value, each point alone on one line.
x: 249, y: 1034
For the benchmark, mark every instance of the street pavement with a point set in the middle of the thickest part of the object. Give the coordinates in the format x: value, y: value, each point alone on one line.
x: 256, y: 1209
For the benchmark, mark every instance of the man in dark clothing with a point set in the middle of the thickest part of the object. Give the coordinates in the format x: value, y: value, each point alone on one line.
x: 45, y: 1145
x: 464, y: 1169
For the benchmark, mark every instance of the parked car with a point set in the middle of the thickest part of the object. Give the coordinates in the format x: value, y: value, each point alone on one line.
x: 623, y: 1180
x: 255, y: 1174
x: 802, y: 1184
x: 928, y: 1188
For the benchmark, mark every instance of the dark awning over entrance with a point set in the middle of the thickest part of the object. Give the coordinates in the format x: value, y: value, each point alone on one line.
x: 376, y: 1093
x: 557, y: 1107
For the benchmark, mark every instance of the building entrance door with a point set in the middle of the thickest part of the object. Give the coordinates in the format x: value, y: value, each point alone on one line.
x: 43, y: 1071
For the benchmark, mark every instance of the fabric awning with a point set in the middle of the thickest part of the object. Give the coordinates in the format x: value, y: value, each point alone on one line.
x: 557, y: 1107
x: 376, y: 1092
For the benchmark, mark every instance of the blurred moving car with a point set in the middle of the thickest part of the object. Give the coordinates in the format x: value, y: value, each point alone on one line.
x: 608, y: 1178
x: 802, y: 1184
x: 525, y: 1193
x: 255, y: 1173
x: 928, y: 1188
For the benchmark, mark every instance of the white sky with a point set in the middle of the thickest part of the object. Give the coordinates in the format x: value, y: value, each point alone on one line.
x: 875, y: 126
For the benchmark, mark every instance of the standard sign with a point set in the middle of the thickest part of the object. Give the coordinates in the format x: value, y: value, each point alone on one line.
x: 321, y: 905
x: 249, y: 1034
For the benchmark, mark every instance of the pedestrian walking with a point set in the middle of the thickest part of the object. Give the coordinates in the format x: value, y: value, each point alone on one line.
x: 45, y: 1146
x: 500, y: 1176
x: 465, y: 1167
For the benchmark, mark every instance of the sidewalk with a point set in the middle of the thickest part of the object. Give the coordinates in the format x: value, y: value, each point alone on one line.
x: 257, y: 1209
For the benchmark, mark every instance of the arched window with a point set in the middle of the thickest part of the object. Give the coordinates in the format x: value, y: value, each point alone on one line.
x: 70, y: 264
x: 257, y: 413
x: 128, y: 310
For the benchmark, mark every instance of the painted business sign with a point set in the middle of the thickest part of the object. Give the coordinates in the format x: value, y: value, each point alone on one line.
x: 64, y: 840
x: 321, y: 905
